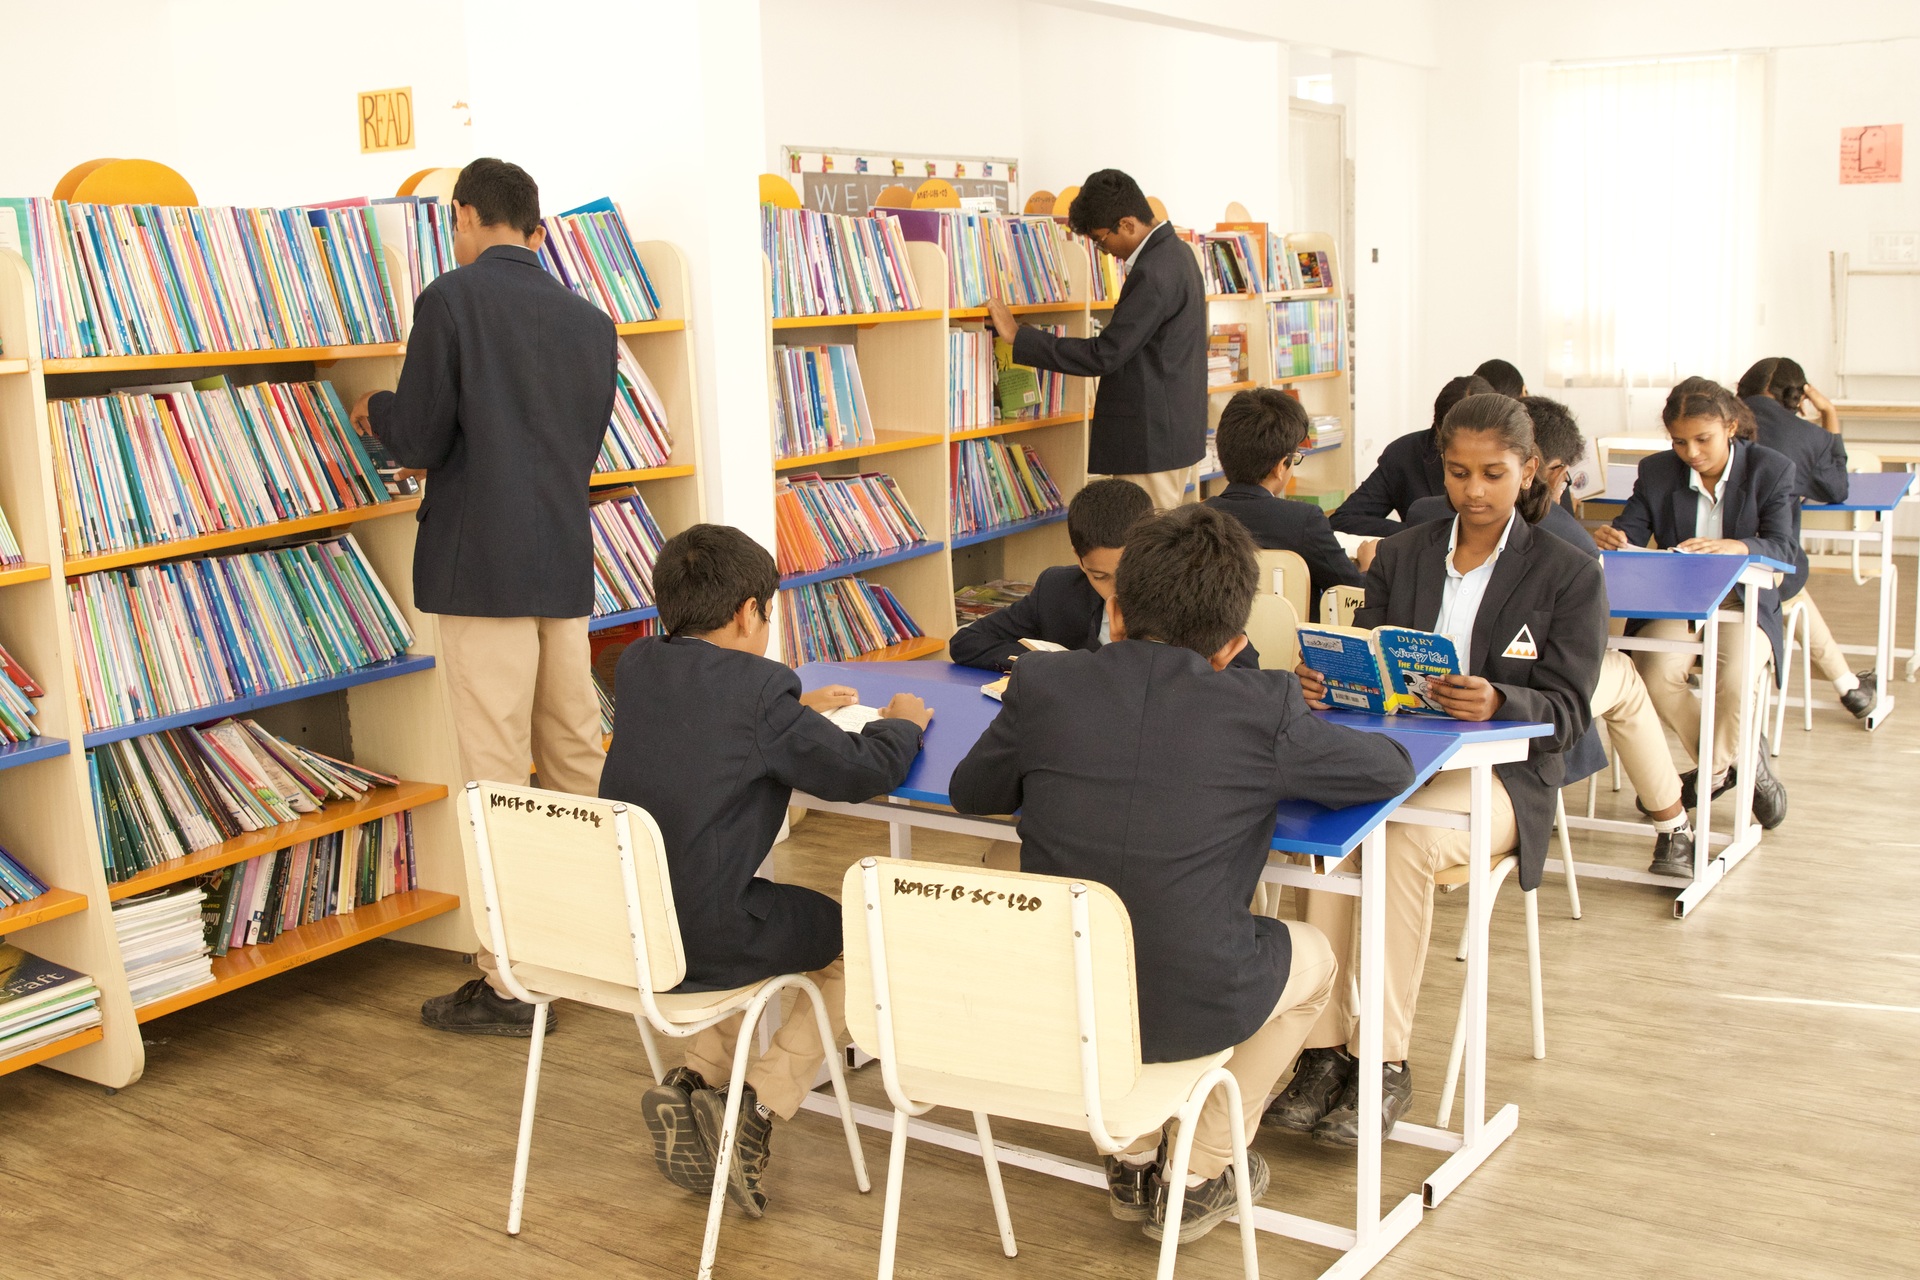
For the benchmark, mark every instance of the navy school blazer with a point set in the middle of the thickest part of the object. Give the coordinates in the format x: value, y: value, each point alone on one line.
x: 1062, y: 608
x: 1559, y: 596
x: 1282, y: 525
x: 1819, y: 456
x: 1759, y: 510
x: 1409, y: 469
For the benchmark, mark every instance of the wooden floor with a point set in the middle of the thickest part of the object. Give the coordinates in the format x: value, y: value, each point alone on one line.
x: 1730, y: 1096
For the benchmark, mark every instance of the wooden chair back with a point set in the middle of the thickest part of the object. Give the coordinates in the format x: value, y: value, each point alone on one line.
x: 1284, y: 574
x: 1274, y: 629
x: 1338, y: 605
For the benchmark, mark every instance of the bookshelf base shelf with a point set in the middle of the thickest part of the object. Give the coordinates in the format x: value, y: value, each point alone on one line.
x: 50, y: 905
x: 65, y: 1044
x: 405, y: 664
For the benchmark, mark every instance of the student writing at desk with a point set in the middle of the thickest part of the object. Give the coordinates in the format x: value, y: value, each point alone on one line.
x: 1153, y: 767
x: 1715, y: 493
x: 1528, y: 615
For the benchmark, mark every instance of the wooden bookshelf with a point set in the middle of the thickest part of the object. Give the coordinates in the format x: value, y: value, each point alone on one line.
x: 314, y: 524
x: 13, y: 366
x: 24, y: 573
x: 222, y: 359
x: 863, y: 565
x: 633, y: 327
x: 884, y: 441
x: 860, y: 319
x: 609, y: 479
x: 15, y: 754
x: 1015, y: 426
x: 905, y: 651
x: 244, y: 966
x: 65, y: 1044
x: 1019, y: 309
x: 50, y: 905
x: 405, y: 665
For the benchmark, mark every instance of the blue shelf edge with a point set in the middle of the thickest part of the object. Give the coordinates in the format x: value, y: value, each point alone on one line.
x: 406, y: 664
x: 1007, y: 530
x: 847, y: 568
x: 18, y: 753
x: 641, y: 614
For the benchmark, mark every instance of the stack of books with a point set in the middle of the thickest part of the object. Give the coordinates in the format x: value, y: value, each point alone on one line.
x: 40, y: 1001
x: 143, y: 467
x: 973, y: 380
x: 9, y: 545
x: 256, y: 901
x: 17, y: 884
x: 638, y: 437
x: 626, y: 543
x: 1226, y: 354
x: 1231, y: 262
x: 588, y: 250
x: 823, y: 521
x: 161, y: 639
x: 163, y: 796
x: 970, y: 604
x: 142, y: 279
x: 997, y: 482
x: 1018, y: 260
x: 819, y: 400
x: 840, y: 619
x: 1308, y: 337
x: 163, y: 943
x: 1308, y: 270
x: 827, y: 264
x: 423, y: 226
x: 17, y: 691
x: 1325, y: 430
x: 1210, y: 461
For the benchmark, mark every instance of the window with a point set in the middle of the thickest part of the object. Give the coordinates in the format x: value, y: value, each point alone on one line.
x: 1644, y: 217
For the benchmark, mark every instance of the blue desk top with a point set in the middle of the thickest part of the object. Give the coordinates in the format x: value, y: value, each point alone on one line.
x: 1467, y: 731
x: 1673, y: 584
x: 1870, y: 491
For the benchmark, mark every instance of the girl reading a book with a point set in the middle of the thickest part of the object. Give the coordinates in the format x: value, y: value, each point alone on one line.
x: 1527, y: 612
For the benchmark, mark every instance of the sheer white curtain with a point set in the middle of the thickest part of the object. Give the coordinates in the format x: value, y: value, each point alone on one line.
x: 1643, y: 217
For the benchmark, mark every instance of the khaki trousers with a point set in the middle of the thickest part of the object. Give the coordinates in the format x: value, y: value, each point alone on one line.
x: 1258, y: 1061
x: 1828, y: 660
x: 783, y: 1075
x: 1666, y: 678
x: 1168, y: 489
x: 1633, y: 726
x: 522, y: 690
x: 1414, y: 855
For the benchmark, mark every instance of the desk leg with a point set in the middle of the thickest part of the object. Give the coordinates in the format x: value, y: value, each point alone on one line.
x: 899, y: 836
x: 1709, y: 868
x: 1703, y: 749
x: 1373, y: 958
x: 1883, y: 638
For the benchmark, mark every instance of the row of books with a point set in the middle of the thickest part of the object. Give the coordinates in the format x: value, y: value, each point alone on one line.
x: 41, y: 1002
x: 973, y: 379
x: 821, y: 521
x: 1308, y: 335
x: 151, y: 465
x: 819, y: 400
x: 159, y: 639
x: 17, y: 692
x: 9, y: 545
x: 1018, y: 260
x: 638, y: 436
x: 839, y: 619
x: 589, y: 250
x: 828, y: 264
x: 1230, y: 262
x: 626, y: 543
x: 255, y: 901
x: 997, y: 482
x: 423, y: 227
x: 1308, y: 269
x: 1227, y: 354
x: 17, y: 884
x: 970, y: 604
x: 163, y: 943
x: 162, y: 796
x: 1109, y: 273
x: 144, y: 279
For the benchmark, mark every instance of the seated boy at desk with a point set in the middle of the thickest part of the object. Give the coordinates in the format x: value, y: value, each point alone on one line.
x: 711, y: 738
x: 1151, y: 767
x: 1259, y: 440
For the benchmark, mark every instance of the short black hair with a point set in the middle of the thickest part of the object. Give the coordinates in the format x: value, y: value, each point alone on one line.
x: 1456, y: 390
x: 500, y: 193
x: 1555, y: 431
x: 1107, y: 196
x: 705, y: 574
x: 1258, y: 430
x: 1502, y: 377
x: 1188, y: 579
x: 1104, y: 513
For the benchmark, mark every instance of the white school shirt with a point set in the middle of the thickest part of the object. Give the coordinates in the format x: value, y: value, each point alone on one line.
x: 1460, y: 602
x: 1710, y: 518
x: 1143, y: 243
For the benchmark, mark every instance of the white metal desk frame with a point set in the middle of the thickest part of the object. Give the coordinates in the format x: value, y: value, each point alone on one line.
x: 1373, y: 1235
x: 1883, y: 648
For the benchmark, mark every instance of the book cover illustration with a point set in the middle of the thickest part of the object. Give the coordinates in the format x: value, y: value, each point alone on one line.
x: 1382, y: 672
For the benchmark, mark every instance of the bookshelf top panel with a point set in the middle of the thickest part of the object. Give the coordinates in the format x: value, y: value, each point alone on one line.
x: 607, y: 621
x: 861, y: 564
x: 221, y: 359
x: 1284, y: 379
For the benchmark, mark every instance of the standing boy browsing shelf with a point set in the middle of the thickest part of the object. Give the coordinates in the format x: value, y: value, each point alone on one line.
x: 711, y: 738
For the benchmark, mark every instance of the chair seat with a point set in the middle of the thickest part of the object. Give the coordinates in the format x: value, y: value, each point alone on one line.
x: 690, y: 1006
x: 1157, y: 1093
x: 1501, y: 864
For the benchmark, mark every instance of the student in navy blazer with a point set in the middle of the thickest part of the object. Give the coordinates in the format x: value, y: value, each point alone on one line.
x: 1777, y: 392
x: 1528, y: 614
x: 1409, y: 470
x: 1715, y: 493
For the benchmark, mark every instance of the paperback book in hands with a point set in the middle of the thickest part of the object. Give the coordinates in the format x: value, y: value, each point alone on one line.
x: 1383, y: 671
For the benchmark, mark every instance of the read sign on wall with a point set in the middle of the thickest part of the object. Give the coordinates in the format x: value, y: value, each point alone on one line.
x: 386, y: 120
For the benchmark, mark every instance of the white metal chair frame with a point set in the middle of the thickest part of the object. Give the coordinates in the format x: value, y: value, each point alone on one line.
x: 751, y: 1003
x: 1796, y: 628
x: 1504, y: 865
x: 905, y: 1108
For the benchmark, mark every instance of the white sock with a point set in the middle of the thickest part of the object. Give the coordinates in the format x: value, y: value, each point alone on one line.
x: 1139, y: 1160
x: 1846, y: 683
x: 1195, y: 1180
x: 1679, y: 822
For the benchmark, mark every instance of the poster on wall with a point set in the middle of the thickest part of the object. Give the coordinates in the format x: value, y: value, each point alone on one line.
x: 837, y: 180
x: 1870, y: 153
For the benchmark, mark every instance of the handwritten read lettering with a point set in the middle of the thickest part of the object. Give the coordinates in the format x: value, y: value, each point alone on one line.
x: 959, y: 894
x: 525, y: 804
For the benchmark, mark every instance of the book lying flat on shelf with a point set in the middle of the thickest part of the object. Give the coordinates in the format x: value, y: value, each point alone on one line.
x: 637, y: 437
x: 17, y: 884
x: 821, y: 521
x: 828, y: 264
x: 1383, y: 671
x: 41, y: 1001
x: 970, y: 604
x: 819, y: 401
x: 626, y: 543
x: 840, y: 619
x: 163, y: 943
x: 256, y: 901
x: 1226, y: 354
x: 997, y: 482
x: 589, y: 250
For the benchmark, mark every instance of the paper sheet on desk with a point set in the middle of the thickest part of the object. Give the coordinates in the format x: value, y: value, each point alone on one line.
x: 1349, y: 542
x: 854, y: 718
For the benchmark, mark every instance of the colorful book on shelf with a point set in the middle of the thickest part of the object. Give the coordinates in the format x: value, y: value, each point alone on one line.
x: 423, y: 227
x: 820, y: 403
x: 1308, y: 336
x: 839, y: 619
x: 1325, y: 430
x: 256, y: 901
x: 626, y: 543
x: 1383, y: 671
x: 1019, y: 260
x: 606, y: 646
x: 970, y: 604
x: 17, y: 691
x: 1231, y: 262
x: 637, y: 437
x: 972, y: 381
x: 163, y: 943
x: 589, y: 250
x: 827, y: 264
x: 998, y: 482
x: 160, y: 639
x: 149, y: 465
x: 1051, y: 385
x: 17, y: 884
x: 9, y: 545
x: 41, y: 1001
x: 1263, y: 250
x: 1309, y: 269
x: 1108, y: 273
x: 821, y: 521
x: 1017, y: 386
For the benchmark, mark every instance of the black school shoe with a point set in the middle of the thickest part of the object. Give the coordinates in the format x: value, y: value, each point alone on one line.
x: 751, y: 1146
x: 1859, y: 699
x: 477, y: 1010
x: 1340, y: 1127
x: 1130, y: 1189
x: 1769, y: 795
x: 1673, y: 853
x: 1689, y: 797
x: 679, y: 1152
x: 1207, y: 1205
x: 1318, y: 1079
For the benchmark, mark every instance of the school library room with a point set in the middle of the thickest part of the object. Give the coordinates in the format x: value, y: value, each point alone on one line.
x: 1049, y: 638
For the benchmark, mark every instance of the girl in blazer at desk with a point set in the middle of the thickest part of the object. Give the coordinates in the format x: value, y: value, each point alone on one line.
x: 1528, y: 614
x: 1717, y: 493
